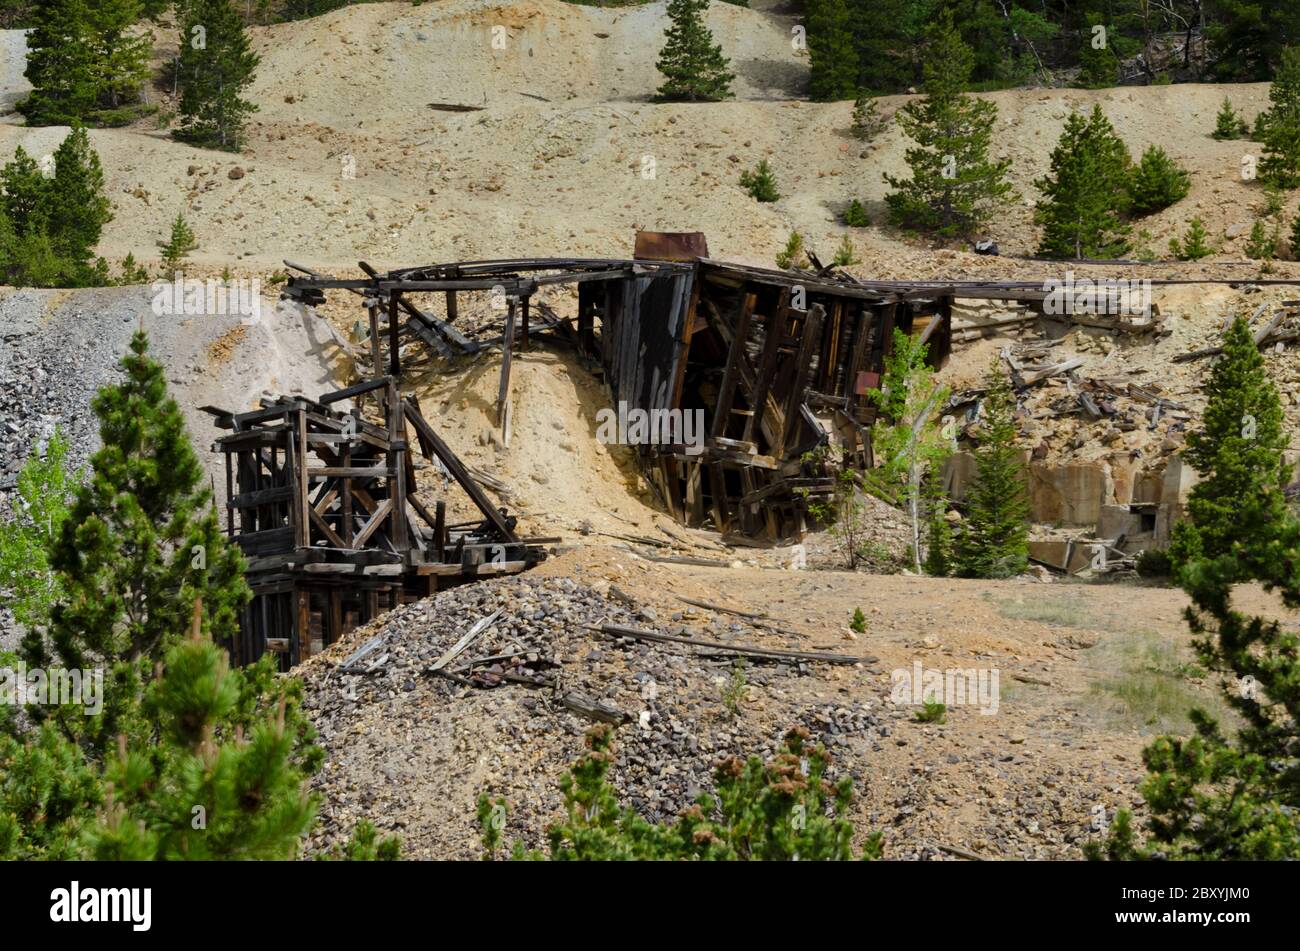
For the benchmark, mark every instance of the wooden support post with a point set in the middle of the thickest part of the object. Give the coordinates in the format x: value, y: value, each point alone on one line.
x: 440, y: 530
x: 803, y: 372
x: 523, y: 306
x: 377, y: 359
x: 730, y: 375
x: 394, y: 328
x: 397, y: 463
x: 452, y: 311
x: 303, y: 632
x: 773, y: 334
x: 303, y: 500
x: 507, y: 346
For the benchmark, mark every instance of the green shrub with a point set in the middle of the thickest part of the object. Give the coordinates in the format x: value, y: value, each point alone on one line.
x: 1157, y: 182
x: 774, y: 811
x: 760, y: 182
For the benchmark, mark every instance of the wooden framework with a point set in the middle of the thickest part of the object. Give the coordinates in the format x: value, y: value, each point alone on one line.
x: 778, y: 363
x: 323, y: 503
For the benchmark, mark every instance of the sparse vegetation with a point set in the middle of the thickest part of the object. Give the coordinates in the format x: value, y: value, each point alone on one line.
x: 760, y: 182
x: 1229, y: 124
x: 774, y: 811
x: 855, y: 216
x: 1194, y: 244
x: 859, y: 623
x: 932, y: 711
x: 792, y: 254
x: 736, y: 689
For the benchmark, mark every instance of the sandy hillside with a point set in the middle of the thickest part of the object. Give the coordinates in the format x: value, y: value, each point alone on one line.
x: 553, y: 162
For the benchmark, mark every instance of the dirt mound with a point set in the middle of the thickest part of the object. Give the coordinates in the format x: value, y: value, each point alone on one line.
x: 566, y: 154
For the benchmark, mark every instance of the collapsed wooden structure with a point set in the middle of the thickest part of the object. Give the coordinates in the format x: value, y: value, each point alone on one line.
x: 324, y: 505
x: 768, y: 365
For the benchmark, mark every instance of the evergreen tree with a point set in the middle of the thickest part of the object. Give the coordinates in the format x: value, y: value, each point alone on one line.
x: 1280, y: 164
x: 1261, y: 245
x: 1295, y: 238
x: 1085, y: 194
x: 25, y: 195
x: 141, y: 542
x: 53, y: 225
x: 1099, y: 67
x: 954, y: 188
x: 84, y: 62
x: 60, y: 64
x: 121, y: 58
x: 992, y: 542
x: 845, y: 254
x: 1228, y: 124
x: 782, y: 810
x: 79, y: 206
x: 855, y: 216
x: 1238, y: 453
x: 1194, y: 244
x: 939, y: 549
x: 867, y: 122
x: 1157, y: 182
x: 215, y: 67
x: 176, y: 252
x: 760, y: 182
x: 39, y: 509
x: 885, y: 36
x: 832, y: 61
x: 694, y: 68
x: 1212, y: 796
x: 792, y: 254
x: 245, y: 790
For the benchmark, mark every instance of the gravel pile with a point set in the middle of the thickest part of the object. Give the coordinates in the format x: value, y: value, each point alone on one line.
x: 403, y: 744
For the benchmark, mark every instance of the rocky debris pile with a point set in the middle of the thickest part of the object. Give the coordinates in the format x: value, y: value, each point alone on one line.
x: 411, y: 725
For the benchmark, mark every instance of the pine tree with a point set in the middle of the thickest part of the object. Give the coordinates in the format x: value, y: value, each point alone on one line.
x: 792, y: 254
x: 1099, y: 67
x: 60, y: 64
x: 176, y: 252
x: 867, y: 122
x: 39, y: 509
x: 1228, y: 124
x: 954, y: 188
x: 79, y: 206
x: 141, y: 542
x: 1194, y: 244
x: 121, y: 58
x: 760, y: 182
x: 1261, y: 245
x: 855, y: 216
x: 84, y: 62
x: 1238, y: 453
x: 1157, y: 182
x: 1295, y: 238
x: 832, y: 61
x: 845, y: 253
x: 992, y: 542
x: 25, y: 195
x: 782, y: 810
x: 54, y: 223
x: 215, y: 67
x: 1280, y: 164
x: 197, y: 790
x: 1213, y: 796
x: 694, y: 68
x: 1085, y: 194
x: 939, y: 549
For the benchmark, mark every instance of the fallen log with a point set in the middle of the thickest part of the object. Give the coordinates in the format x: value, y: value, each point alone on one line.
x: 735, y: 650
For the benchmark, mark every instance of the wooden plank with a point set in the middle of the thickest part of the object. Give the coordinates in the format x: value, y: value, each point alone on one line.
x: 735, y: 650
x: 774, y: 331
x: 803, y: 373
x: 730, y: 375
x: 507, y: 345
x: 479, y: 626
x: 451, y: 462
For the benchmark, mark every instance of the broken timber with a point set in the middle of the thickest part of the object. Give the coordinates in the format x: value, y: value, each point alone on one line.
x: 324, y: 505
